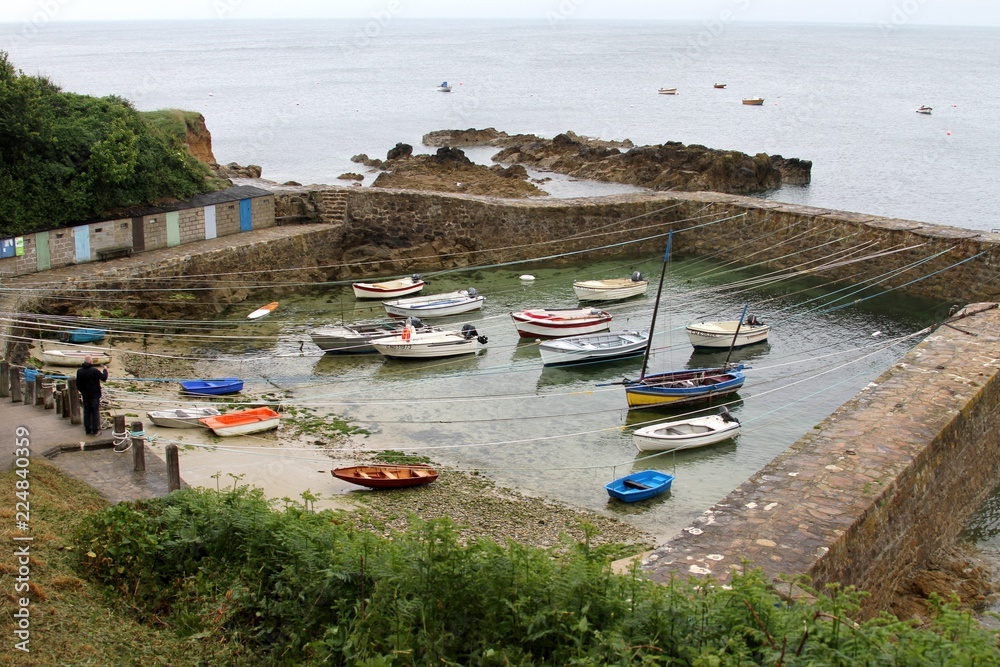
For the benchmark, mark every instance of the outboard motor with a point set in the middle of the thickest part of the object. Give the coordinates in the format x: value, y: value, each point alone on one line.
x: 472, y: 292
x: 637, y: 277
x: 726, y: 416
x: 753, y: 321
x: 415, y: 322
x: 469, y: 331
x: 415, y: 277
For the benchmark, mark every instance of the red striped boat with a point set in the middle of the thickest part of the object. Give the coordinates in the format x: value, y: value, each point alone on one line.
x: 558, y: 322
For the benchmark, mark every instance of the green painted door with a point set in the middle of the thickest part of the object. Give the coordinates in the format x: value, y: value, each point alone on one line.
x: 43, y: 260
x: 173, y: 229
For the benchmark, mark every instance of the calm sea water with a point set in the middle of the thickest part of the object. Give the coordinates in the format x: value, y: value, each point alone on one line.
x: 300, y: 98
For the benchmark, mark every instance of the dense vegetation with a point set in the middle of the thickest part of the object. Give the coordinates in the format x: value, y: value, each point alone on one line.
x: 262, y: 586
x: 68, y: 158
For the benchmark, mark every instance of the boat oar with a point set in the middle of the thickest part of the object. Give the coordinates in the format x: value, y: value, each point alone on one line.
x: 738, y: 325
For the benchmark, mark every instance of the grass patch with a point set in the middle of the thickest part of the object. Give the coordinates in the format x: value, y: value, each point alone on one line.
x: 304, y: 421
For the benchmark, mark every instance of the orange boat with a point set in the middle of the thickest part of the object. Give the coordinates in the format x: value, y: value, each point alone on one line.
x: 387, y: 476
x: 243, y: 422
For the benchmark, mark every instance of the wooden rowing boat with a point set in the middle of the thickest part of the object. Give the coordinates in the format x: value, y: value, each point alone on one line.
x: 387, y: 476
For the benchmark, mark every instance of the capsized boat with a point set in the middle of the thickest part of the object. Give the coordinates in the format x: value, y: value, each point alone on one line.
x: 640, y: 485
x: 83, y: 335
x: 263, y: 310
x: 74, y: 357
x: 559, y: 322
x: 181, y: 417
x: 686, y: 433
x: 214, y: 387
x: 611, y: 289
x: 433, y: 344
x: 387, y: 476
x: 728, y: 333
x: 389, y: 288
x: 593, y: 348
x: 243, y: 422
x: 436, y: 305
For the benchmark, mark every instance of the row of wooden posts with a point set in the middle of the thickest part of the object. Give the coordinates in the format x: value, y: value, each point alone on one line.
x: 62, y: 397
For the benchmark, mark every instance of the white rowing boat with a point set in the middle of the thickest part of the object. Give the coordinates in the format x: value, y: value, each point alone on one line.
x: 686, y: 433
x: 593, y: 348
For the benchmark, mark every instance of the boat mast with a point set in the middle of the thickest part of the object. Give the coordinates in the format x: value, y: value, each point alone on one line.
x: 738, y: 325
x: 656, y: 307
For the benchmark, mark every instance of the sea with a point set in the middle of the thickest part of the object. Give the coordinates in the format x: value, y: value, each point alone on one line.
x: 300, y: 98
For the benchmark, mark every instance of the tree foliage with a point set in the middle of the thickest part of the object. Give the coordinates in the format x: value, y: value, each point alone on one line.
x: 68, y: 158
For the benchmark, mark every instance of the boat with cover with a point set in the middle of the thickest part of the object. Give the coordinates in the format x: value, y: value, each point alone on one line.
x: 432, y: 344
x: 593, y: 348
x: 83, y: 335
x: 181, y: 417
x: 611, y: 289
x: 559, y: 322
x: 387, y: 476
x: 243, y: 422
x: 686, y: 433
x: 681, y: 386
x: 728, y: 333
x: 388, y: 288
x: 356, y: 338
x: 436, y: 305
x: 640, y: 485
x: 215, y: 387
x: 74, y: 357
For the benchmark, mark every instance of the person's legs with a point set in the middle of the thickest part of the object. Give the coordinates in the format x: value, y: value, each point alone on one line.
x: 91, y: 414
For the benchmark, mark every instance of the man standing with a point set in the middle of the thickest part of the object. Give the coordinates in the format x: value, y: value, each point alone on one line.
x: 88, y: 383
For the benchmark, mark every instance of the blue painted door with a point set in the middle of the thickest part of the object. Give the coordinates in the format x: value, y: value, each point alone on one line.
x: 81, y: 241
x: 246, y: 218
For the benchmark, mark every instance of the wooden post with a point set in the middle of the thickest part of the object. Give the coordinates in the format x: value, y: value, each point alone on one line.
x: 173, y: 469
x: 138, y: 448
x: 4, y: 378
x: 15, y: 386
x: 39, y: 390
x: 48, y: 398
x: 118, y: 430
x: 29, y: 392
x: 65, y: 402
x: 59, y: 401
x: 75, y: 407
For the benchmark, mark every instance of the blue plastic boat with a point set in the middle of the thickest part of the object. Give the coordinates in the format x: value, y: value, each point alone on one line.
x: 84, y: 335
x: 216, y: 387
x: 639, y: 485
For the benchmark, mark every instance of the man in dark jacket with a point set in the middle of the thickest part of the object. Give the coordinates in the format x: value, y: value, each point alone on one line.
x: 88, y: 383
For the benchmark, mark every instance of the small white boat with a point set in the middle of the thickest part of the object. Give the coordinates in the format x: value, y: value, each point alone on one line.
x: 263, y: 311
x: 431, y: 344
x: 925, y: 110
x: 668, y: 91
x: 593, y: 348
x: 722, y: 334
x: 356, y: 338
x: 243, y: 422
x: 753, y: 101
x: 611, y: 289
x: 559, y: 322
x: 388, y: 288
x: 181, y: 417
x: 444, y: 87
x: 74, y: 357
x: 436, y: 305
x: 686, y: 433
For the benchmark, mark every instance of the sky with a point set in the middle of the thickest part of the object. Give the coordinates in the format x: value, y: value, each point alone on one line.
x: 876, y: 12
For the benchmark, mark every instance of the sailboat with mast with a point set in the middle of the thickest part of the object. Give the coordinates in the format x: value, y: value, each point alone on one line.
x: 686, y: 386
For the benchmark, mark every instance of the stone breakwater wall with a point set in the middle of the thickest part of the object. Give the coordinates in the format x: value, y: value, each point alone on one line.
x: 394, y: 232
x: 875, y: 489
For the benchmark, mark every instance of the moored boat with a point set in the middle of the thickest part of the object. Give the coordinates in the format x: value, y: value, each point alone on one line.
x: 640, y: 485
x: 430, y: 344
x: 181, y: 417
x: 718, y: 85
x: 925, y: 110
x: 388, y: 288
x: 83, y: 335
x: 214, y: 387
x: 611, y: 289
x: 436, y: 305
x: 668, y: 91
x: 593, y: 348
x: 243, y: 422
x: 355, y: 338
x: 74, y: 357
x: 263, y: 310
x: 444, y: 87
x: 387, y: 476
x: 559, y: 322
x: 727, y: 333
x: 753, y: 101
x: 686, y: 433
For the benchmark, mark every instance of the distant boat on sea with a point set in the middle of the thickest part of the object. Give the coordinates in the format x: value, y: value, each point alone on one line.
x: 668, y: 91
x: 444, y: 87
x: 718, y: 85
x: 753, y: 101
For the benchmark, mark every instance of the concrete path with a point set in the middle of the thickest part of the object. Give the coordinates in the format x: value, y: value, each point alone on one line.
x: 88, y: 458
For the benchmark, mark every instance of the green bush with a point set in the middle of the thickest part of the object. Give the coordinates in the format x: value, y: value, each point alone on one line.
x: 301, y: 587
x: 68, y: 158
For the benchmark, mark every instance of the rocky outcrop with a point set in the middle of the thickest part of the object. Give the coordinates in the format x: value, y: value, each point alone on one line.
x: 234, y: 170
x: 449, y: 170
x: 197, y: 138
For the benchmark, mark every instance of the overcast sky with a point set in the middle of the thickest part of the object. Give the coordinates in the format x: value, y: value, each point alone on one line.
x: 879, y: 12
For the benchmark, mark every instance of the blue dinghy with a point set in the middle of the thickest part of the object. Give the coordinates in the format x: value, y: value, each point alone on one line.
x: 216, y: 387
x: 639, y: 485
x: 84, y: 335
